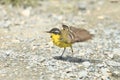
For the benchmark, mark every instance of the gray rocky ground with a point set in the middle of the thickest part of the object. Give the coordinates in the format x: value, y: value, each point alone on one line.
x: 26, y: 52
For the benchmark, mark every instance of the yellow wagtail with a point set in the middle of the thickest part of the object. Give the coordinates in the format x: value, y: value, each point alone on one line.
x: 68, y: 35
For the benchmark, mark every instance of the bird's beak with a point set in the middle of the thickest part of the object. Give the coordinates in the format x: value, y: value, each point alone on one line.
x: 47, y: 31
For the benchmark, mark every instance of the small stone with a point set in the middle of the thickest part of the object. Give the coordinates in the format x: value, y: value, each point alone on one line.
x: 5, y: 24
x: 116, y: 51
x: 26, y: 12
x: 83, y: 74
x: 9, y: 52
x: 101, y: 17
x: 86, y: 64
x: 15, y: 41
x: 105, y: 72
x: 82, y: 6
x: 105, y: 78
x: 42, y: 59
x: 91, y: 69
x: 111, y: 55
x: 100, y: 65
x: 24, y: 48
x: 113, y: 63
x: 116, y: 72
x: 28, y: 67
x: 34, y: 48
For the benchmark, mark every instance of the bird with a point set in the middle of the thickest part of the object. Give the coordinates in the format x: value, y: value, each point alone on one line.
x: 68, y: 35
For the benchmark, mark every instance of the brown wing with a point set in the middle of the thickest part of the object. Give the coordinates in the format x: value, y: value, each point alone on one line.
x: 80, y: 35
x: 72, y: 34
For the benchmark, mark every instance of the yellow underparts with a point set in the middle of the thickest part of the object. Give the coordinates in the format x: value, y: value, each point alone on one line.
x: 56, y: 40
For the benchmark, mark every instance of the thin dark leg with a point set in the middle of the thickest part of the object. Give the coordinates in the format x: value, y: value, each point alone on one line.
x: 71, y: 50
x: 63, y: 52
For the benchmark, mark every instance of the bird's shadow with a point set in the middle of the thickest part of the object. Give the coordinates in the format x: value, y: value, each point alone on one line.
x: 75, y: 59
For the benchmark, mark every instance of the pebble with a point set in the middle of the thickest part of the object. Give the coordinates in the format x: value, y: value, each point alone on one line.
x: 101, y: 17
x: 86, y: 64
x: 26, y: 12
x: 82, y: 5
x: 116, y: 72
x: 106, y: 73
x: 15, y: 41
x: 111, y: 55
x: 5, y: 24
x: 113, y: 63
x: 105, y: 78
x: 83, y: 74
x: 100, y: 65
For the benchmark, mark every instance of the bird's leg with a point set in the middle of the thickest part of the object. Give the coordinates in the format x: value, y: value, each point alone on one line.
x: 71, y: 50
x: 63, y: 52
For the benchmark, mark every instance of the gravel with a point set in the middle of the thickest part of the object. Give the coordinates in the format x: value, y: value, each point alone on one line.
x: 26, y: 52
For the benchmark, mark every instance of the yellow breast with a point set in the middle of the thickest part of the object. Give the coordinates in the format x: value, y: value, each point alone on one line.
x: 56, y: 40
